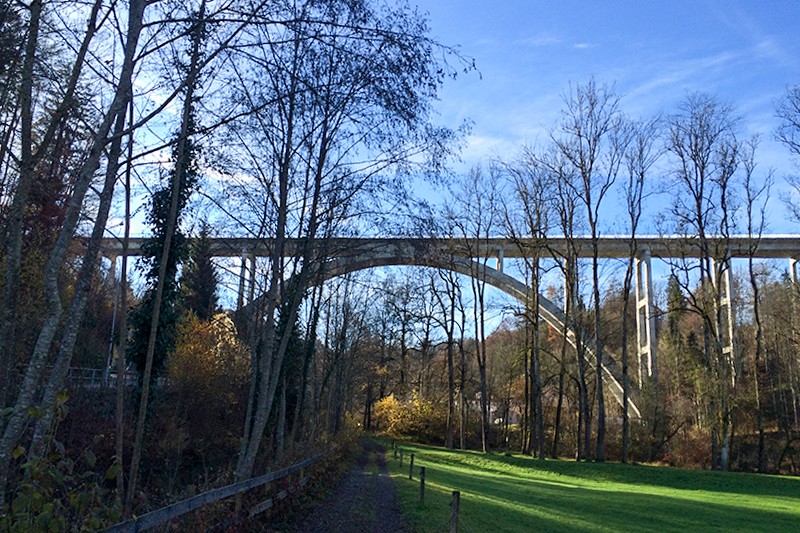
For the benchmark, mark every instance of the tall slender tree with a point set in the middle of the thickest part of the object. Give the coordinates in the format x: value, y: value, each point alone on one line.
x: 641, y: 155
x: 475, y: 220
x: 706, y: 154
x: 589, y: 138
x: 167, y: 206
x: 323, y: 130
x: 84, y: 176
x: 200, y: 279
x: 530, y: 183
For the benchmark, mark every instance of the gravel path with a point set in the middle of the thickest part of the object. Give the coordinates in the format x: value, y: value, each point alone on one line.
x: 363, y: 502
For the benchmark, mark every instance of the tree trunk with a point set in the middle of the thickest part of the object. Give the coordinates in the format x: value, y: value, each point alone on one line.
x: 12, y: 242
x: 480, y: 352
x: 535, y: 367
x: 172, y: 220
x: 83, y: 283
x: 626, y: 381
x: 462, y: 415
x: 15, y: 425
x: 122, y: 336
x: 451, y: 385
x: 280, y: 430
x: 568, y: 310
x: 562, y: 371
x: 600, y: 451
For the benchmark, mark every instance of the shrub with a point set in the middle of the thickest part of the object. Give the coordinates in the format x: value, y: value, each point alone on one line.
x: 418, y: 418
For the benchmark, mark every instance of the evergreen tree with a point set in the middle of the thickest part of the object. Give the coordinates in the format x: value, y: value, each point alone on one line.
x: 200, y: 278
x: 152, y: 253
x: 676, y: 306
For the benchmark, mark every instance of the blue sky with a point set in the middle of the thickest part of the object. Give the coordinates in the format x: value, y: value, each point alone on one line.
x: 744, y: 52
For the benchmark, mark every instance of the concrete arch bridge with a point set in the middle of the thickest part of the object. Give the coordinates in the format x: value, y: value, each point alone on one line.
x: 420, y: 253
x: 339, y: 256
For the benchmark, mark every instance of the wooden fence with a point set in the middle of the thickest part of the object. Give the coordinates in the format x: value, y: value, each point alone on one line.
x: 455, y: 502
x: 170, y: 512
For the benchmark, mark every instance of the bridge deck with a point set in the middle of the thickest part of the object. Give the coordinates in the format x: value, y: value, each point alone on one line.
x: 768, y: 246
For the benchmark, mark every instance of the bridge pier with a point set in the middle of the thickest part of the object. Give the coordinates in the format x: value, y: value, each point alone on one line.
x: 645, y: 318
x: 247, y: 284
x: 499, y: 260
x: 793, y: 270
x: 242, y: 277
x: 112, y: 269
x: 251, y: 289
x: 723, y: 281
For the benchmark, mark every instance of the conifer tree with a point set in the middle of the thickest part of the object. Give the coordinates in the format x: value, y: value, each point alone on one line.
x: 200, y: 278
x: 152, y: 251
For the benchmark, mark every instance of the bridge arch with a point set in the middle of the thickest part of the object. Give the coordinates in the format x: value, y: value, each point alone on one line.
x: 612, y: 375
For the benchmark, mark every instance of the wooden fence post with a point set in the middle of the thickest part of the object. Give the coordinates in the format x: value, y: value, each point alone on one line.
x: 394, y: 449
x: 401, y: 456
x: 454, y: 511
x: 411, y: 468
x: 422, y: 484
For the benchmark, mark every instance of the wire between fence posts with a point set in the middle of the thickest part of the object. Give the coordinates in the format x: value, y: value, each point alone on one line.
x: 454, y: 505
x: 411, y: 468
x: 422, y: 484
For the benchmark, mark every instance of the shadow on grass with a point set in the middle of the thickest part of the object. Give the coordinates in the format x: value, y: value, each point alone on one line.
x: 667, y: 477
x: 502, y: 493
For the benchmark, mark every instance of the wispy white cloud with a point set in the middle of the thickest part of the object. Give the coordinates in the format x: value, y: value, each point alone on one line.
x: 680, y: 72
x: 771, y: 49
x: 766, y: 45
x: 543, y: 39
x: 548, y: 39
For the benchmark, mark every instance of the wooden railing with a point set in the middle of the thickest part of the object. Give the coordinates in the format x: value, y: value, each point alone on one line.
x: 171, y: 512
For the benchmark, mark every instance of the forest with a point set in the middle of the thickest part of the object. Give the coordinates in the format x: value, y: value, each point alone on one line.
x: 128, y: 385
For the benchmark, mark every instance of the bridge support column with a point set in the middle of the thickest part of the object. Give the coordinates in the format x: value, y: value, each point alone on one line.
x: 723, y: 275
x: 251, y: 289
x: 645, y: 318
x: 242, y: 277
x: 247, y: 283
x: 793, y: 270
x: 112, y: 269
x: 499, y: 260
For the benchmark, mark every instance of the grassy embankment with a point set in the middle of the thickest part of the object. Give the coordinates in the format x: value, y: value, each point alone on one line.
x: 515, y: 493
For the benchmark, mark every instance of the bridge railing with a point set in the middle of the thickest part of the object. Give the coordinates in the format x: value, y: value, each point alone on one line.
x: 176, y: 510
x: 97, y: 377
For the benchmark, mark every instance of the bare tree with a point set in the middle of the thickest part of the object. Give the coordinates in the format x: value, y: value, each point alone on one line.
x: 590, y: 138
x: 565, y: 208
x: 756, y: 197
x: 705, y: 154
x: 444, y: 288
x: 788, y: 132
x: 530, y: 185
x: 477, y: 217
x: 641, y: 155
x: 15, y: 423
x: 183, y: 160
x: 323, y: 133
x: 113, y: 77
x: 788, y: 111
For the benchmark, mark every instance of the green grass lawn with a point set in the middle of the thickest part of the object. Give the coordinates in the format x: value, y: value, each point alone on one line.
x: 516, y: 493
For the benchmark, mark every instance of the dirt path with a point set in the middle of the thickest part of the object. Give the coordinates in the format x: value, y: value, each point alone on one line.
x: 363, y: 502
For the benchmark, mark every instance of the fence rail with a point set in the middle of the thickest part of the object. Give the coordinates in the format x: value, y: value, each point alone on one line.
x: 455, y: 502
x: 94, y: 378
x: 170, y: 512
